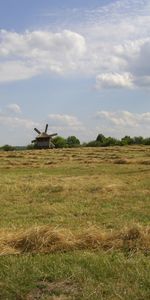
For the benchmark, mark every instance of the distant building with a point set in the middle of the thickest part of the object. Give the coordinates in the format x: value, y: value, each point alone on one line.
x: 44, y: 140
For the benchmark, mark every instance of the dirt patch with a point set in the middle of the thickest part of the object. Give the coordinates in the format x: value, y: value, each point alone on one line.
x: 121, y: 161
x: 62, y: 290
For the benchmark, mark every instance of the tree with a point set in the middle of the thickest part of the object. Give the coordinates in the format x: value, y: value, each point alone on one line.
x: 126, y: 140
x: 100, y: 138
x: 138, y: 140
x: 93, y: 144
x: 60, y: 142
x: 30, y: 147
x: 8, y: 148
x: 146, y: 141
x: 72, y: 141
x: 110, y: 141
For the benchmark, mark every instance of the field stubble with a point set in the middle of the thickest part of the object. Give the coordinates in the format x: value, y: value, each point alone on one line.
x: 87, y: 203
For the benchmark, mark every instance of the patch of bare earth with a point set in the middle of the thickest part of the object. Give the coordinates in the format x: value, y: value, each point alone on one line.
x: 57, y: 290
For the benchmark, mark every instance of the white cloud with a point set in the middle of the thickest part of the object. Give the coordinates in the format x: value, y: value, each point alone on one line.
x: 65, y: 122
x: 9, y: 119
x: 121, y: 123
x: 124, y: 118
x: 16, y: 70
x: 15, y: 108
x: 19, y: 129
x: 31, y: 53
x: 15, y: 122
x: 137, y: 56
x: 114, y: 80
x: 13, y: 43
x: 118, y: 44
x: 110, y: 43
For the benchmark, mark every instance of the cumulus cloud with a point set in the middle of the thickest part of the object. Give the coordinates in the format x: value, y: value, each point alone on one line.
x: 15, y: 108
x: 20, y: 129
x: 31, y: 53
x: 63, y: 122
x: 15, y: 122
x: 137, y: 56
x: 9, y: 119
x: 110, y: 43
x: 16, y: 70
x: 125, y: 118
x: 114, y: 80
x: 118, y: 43
x: 121, y: 123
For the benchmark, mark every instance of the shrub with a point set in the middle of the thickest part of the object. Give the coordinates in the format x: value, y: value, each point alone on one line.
x: 8, y: 148
x: 60, y: 142
x: 72, y: 141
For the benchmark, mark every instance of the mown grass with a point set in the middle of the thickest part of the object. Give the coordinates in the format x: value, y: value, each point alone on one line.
x: 95, y: 196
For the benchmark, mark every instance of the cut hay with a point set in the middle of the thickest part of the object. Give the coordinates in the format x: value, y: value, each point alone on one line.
x: 47, y: 240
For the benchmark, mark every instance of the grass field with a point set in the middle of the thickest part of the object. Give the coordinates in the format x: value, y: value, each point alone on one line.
x: 75, y: 224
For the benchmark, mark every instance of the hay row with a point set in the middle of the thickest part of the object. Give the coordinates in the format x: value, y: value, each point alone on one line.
x: 47, y: 240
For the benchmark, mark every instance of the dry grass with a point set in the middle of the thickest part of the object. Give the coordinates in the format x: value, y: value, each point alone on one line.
x: 50, y: 158
x: 47, y: 240
x: 68, y: 223
x: 75, y: 188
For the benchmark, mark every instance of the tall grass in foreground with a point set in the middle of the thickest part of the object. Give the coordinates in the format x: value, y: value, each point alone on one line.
x: 77, y: 275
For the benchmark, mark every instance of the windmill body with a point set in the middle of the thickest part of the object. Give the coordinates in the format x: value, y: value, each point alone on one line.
x: 43, y: 139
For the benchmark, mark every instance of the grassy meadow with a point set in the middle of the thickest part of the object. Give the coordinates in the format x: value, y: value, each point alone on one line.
x: 75, y: 224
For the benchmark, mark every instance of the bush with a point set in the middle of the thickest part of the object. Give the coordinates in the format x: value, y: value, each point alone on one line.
x: 60, y: 142
x: 147, y: 141
x: 72, y: 141
x: 8, y: 148
x: 110, y: 142
x: 30, y: 147
x: 138, y: 140
x: 93, y: 144
x: 127, y: 140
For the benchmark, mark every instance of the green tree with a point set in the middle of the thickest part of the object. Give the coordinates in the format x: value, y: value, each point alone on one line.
x: 126, y: 140
x: 93, y: 144
x: 8, y: 148
x: 110, y: 141
x: 30, y: 147
x: 138, y: 140
x: 60, y: 142
x: 146, y: 141
x: 72, y: 141
x: 100, y: 138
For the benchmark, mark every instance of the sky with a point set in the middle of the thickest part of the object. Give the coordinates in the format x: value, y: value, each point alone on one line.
x: 81, y: 66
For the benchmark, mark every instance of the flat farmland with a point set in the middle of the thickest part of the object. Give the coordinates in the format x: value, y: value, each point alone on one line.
x: 75, y: 223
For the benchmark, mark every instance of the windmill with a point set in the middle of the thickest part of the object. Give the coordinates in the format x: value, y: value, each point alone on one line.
x: 44, y: 140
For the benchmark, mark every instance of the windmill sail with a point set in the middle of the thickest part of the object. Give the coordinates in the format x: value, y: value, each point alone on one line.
x: 46, y: 127
x: 38, y: 131
x: 53, y: 134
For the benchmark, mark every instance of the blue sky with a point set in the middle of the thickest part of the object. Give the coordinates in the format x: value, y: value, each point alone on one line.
x: 81, y: 66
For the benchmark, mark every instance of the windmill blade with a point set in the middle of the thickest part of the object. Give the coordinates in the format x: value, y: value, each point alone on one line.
x: 38, y: 131
x: 46, y: 127
x: 53, y: 134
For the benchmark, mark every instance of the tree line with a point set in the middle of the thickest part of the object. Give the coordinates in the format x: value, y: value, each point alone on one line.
x: 100, y: 141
